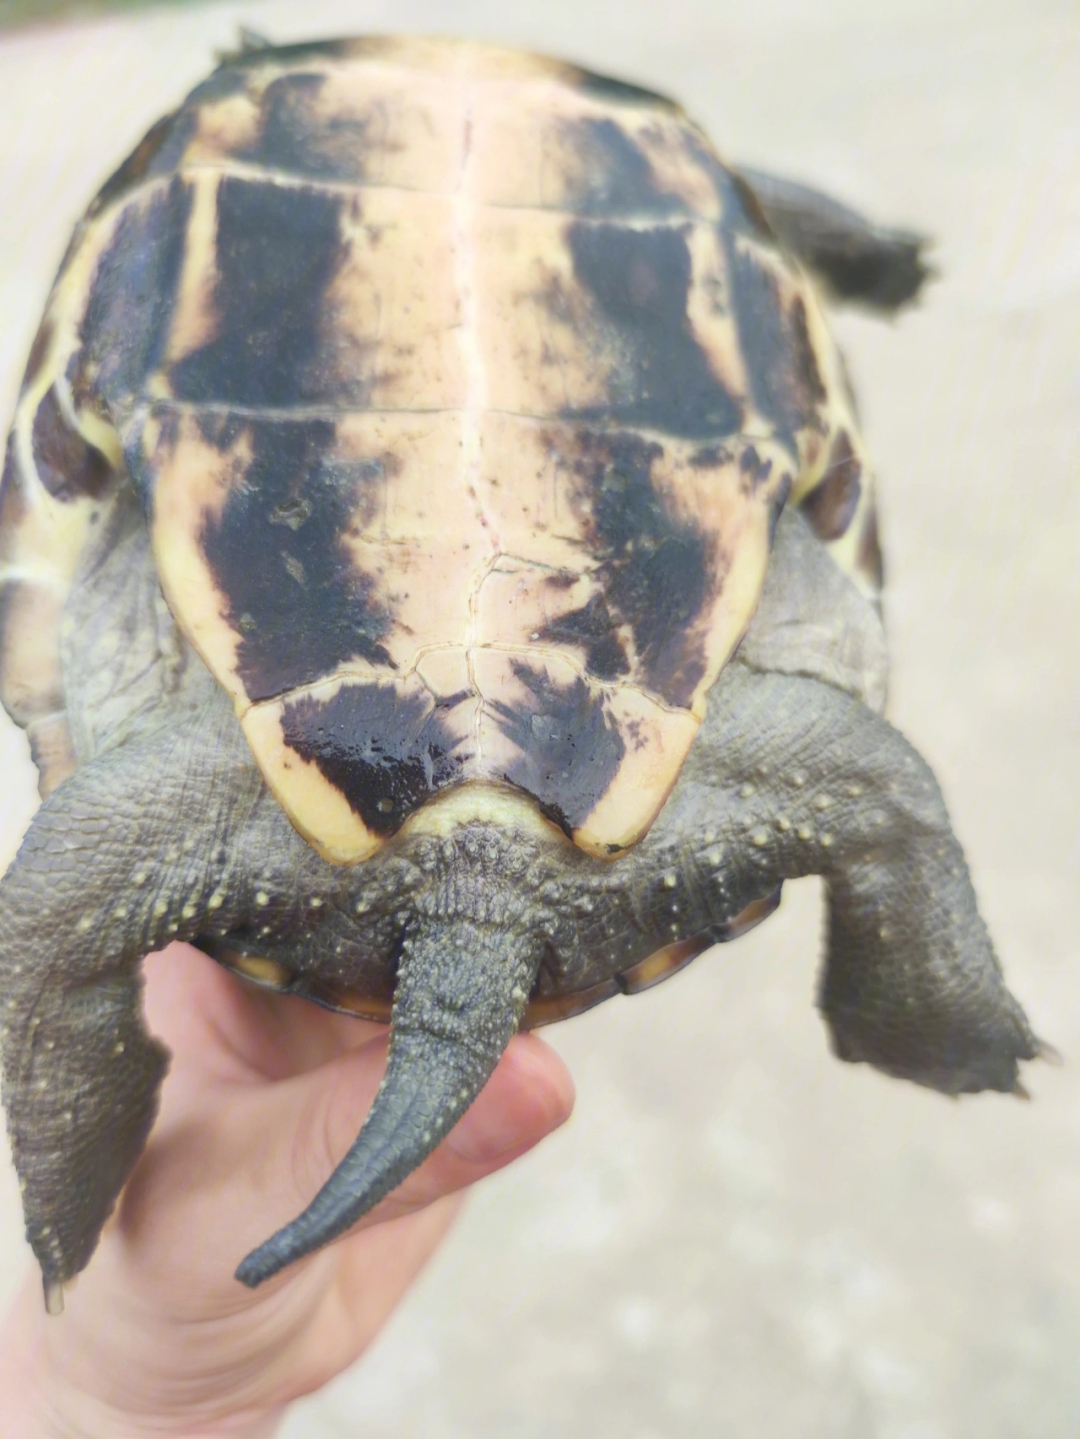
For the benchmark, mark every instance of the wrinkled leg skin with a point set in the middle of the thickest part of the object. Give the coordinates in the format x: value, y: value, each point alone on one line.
x: 789, y: 776
x: 79, y: 908
x: 911, y: 983
x: 164, y: 841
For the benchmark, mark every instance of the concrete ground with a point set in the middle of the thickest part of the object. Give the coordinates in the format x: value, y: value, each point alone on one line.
x: 736, y: 1235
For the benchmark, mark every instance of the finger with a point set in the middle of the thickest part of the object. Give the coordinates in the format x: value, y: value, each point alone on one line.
x: 373, y: 1270
x: 222, y: 1026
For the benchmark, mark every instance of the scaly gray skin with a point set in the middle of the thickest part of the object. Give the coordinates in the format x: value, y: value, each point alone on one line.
x: 167, y: 831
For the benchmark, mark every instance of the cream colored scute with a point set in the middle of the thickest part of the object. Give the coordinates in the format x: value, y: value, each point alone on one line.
x: 642, y: 784
x: 455, y: 343
x: 315, y: 806
x: 418, y: 150
x: 541, y: 146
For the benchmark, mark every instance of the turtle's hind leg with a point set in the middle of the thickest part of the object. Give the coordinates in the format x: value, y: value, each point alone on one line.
x: 118, y: 861
x: 855, y: 259
x: 911, y: 983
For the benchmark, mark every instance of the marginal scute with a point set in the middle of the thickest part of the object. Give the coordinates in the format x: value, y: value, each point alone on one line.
x: 542, y: 1009
x: 13, y: 503
x: 39, y: 351
x: 156, y: 153
x: 831, y: 507
x: 663, y: 963
x: 620, y: 92
x: 462, y: 390
x: 870, y: 562
x: 551, y: 1008
x: 269, y: 974
x: 256, y: 967
x: 66, y: 465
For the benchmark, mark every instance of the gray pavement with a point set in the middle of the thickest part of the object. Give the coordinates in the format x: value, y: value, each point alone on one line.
x: 736, y: 1235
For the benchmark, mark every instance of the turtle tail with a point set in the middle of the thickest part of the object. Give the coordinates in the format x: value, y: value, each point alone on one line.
x: 459, y: 1000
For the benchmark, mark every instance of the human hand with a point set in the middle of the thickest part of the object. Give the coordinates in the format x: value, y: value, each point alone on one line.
x: 264, y: 1096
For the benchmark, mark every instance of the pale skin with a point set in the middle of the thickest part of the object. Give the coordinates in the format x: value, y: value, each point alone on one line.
x: 264, y: 1096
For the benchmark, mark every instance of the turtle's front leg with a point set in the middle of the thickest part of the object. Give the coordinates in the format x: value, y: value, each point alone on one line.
x: 123, y: 857
x: 856, y: 259
x: 810, y: 781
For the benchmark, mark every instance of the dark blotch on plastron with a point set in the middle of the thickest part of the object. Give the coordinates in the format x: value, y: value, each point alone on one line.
x: 294, y: 137
x: 143, y: 467
x: 754, y: 470
x: 613, y: 175
x: 654, y: 569
x: 219, y: 428
x: 305, y: 606
x: 125, y: 328
x: 67, y: 466
x: 806, y: 359
x: 569, y: 749
x: 562, y: 579
x: 278, y: 247
x: 150, y: 444
x: 639, y: 281
x: 785, y: 382
x: 592, y: 629
x: 384, y: 751
x: 620, y: 92
x: 831, y: 506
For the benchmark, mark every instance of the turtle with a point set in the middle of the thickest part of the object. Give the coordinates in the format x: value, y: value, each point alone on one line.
x: 441, y: 578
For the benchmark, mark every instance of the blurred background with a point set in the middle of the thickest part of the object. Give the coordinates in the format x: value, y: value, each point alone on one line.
x: 736, y: 1235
